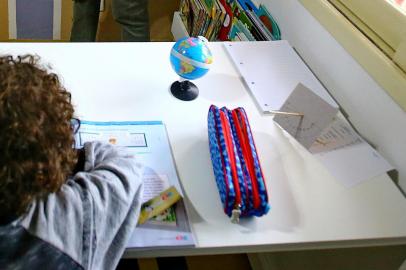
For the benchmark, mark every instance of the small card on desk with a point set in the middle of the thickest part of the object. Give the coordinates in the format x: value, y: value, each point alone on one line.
x: 317, y: 115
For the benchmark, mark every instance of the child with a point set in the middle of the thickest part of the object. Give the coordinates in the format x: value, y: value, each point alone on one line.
x: 51, y: 218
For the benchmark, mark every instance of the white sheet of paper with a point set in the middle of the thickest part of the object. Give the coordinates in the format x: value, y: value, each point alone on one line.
x: 349, y: 158
x: 317, y: 115
x: 336, y: 136
x: 271, y: 70
x: 330, y: 138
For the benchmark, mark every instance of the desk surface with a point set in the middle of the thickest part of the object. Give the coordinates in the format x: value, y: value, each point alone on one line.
x: 310, y: 209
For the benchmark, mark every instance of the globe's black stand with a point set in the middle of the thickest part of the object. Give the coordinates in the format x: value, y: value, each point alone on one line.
x: 184, y: 90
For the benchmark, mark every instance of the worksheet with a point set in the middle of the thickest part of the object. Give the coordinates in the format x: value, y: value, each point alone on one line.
x: 149, y: 143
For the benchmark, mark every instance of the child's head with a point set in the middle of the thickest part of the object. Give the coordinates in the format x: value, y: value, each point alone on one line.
x: 36, y: 136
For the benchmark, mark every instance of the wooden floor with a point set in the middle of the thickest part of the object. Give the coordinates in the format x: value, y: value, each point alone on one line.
x: 160, y: 13
x: 161, y: 19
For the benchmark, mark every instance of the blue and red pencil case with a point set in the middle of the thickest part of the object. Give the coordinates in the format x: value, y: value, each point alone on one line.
x: 236, y: 165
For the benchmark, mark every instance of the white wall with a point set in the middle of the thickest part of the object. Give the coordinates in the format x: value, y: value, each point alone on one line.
x: 371, y: 110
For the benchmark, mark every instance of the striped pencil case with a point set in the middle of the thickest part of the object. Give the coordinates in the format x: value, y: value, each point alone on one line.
x: 235, y: 163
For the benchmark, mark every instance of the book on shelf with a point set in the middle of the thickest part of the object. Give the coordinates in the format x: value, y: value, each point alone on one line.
x: 221, y: 13
x: 225, y: 23
x: 195, y: 16
x: 186, y: 16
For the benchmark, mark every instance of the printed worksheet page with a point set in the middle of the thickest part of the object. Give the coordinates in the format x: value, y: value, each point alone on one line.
x: 149, y: 143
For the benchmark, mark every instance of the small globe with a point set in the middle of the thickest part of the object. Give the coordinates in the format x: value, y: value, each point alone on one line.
x: 191, y: 58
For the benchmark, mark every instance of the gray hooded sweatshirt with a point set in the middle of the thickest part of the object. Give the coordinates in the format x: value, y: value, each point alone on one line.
x: 86, y: 224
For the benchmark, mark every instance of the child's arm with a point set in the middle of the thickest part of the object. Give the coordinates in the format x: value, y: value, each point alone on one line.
x: 114, y: 180
x: 94, y: 214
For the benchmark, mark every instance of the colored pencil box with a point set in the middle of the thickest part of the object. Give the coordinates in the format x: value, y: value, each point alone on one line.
x: 236, y: 166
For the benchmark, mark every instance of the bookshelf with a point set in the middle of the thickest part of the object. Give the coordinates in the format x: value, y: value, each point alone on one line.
x: 221, y: 20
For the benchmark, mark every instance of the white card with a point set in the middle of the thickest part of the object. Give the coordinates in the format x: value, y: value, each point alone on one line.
x: 346, y: 155
x: 317, y: 115
x: 338, y: 135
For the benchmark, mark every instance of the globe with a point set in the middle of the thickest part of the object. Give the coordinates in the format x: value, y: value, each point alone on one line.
x: 190, y: 58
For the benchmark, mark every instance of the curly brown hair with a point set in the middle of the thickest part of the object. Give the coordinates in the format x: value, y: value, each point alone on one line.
x: 36, y: 138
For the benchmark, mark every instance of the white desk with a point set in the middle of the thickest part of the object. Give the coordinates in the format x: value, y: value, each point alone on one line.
x: 310, y: 209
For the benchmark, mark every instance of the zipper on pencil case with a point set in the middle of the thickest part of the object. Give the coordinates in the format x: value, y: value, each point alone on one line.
x: 248, y: 156
x: 214, y: 109
x: 244, y: 175
x: 230, y: 153
x: 243, y: 136
x: 248, y: 127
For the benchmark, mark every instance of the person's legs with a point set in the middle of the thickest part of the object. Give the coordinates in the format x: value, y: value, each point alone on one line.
x: 85, y: 20
x: 133, y: 17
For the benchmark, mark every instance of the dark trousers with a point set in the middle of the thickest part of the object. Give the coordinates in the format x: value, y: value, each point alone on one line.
x: 132, y: 15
